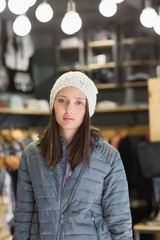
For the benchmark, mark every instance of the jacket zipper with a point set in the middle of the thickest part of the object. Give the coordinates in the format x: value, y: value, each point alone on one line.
x: 60, y: 222
x: 77, y: 181
x: 94, y: 226
x: 61, y: 214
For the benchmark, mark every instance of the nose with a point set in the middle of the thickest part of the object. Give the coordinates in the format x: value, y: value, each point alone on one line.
x: 69, y: 108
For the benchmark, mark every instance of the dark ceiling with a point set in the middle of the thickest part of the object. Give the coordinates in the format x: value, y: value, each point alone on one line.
x: 129, y: 10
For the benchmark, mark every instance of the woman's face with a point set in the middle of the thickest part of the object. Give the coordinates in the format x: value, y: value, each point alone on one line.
x: 69, y: 106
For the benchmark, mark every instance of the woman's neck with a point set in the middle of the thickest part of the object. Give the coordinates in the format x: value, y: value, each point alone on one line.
x: 68, y: 136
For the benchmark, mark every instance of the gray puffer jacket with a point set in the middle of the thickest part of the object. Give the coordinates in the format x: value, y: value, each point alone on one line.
x: 93, y: 205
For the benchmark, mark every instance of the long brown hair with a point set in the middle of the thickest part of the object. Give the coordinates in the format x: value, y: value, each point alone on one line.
x: 78, y: 149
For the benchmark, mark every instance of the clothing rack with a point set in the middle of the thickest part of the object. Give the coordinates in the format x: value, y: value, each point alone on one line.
x: 4, y: 230
x: 124, y: 131
x: 14, y: 141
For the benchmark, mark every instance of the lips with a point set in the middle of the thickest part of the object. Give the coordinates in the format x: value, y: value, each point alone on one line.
x: 68, y: 119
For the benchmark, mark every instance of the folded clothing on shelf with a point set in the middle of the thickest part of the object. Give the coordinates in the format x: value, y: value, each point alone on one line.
x: 106, y: 104
x: 3, y: 103
x: 16, y: 101
x: 36, y: 104
x: 71, y: 42
x: 138, y: 77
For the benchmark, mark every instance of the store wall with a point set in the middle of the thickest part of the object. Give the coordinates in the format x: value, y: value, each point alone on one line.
x: 43, y: 63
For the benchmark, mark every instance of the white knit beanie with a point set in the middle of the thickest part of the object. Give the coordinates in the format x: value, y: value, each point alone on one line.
x: 79, y: 80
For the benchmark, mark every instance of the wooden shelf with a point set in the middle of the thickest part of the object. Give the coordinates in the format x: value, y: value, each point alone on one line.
x: 137, y: 41
x: 135, y: 84
x: 107, y: 86
x: 133, y: 108
x: 142, y: 62
x: 115, y: 109
x: 94, y: 66
x: 70, y: 48
x: 70, y: 68
x: 104, y: 43
x: 138, y: 54
x: 23, y: 111
x: 145, y: 227
x: 142, y: 228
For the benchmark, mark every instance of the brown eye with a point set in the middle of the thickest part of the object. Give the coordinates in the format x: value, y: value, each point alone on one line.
x: 80, y: 103
x: 62, y: 100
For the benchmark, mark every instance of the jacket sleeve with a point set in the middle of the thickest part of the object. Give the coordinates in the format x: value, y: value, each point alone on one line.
x: 115, y: 201
x: 24, y: 203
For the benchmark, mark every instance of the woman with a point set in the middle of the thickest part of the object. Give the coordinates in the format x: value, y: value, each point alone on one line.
x: 72, y: 184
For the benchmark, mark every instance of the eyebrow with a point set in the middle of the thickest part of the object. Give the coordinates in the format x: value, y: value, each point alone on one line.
x: 75, y: 97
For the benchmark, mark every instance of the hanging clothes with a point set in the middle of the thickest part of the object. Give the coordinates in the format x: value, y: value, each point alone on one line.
x: 7, y: 198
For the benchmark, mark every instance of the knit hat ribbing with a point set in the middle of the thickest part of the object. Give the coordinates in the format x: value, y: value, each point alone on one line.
x: 79, y: 80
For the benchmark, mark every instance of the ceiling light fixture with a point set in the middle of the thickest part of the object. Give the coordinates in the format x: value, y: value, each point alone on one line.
x: 71, y: 23
x: 2, y: 5
x: 31, y: 2
x: 107, y: 8
x: 148, y: 15
x: 44, y: 12
x: 22, y: 25
x: 118, y: 1
x: 18, y: 6
x: 157, y: 23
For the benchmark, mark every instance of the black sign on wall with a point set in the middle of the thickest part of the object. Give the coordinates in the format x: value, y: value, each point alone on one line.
x: 16, y: 61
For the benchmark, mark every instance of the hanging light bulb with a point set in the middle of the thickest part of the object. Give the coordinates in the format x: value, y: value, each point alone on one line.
x: 157, y: 23
x: 118, y: 1
x: 18, y: 6
x: 107, y: 8
x: 71, y: 23
x: 31, y: 2
x: 22, y: 25
x: 148, y: 15
x: 2, y: 5
x: 44, y: 12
